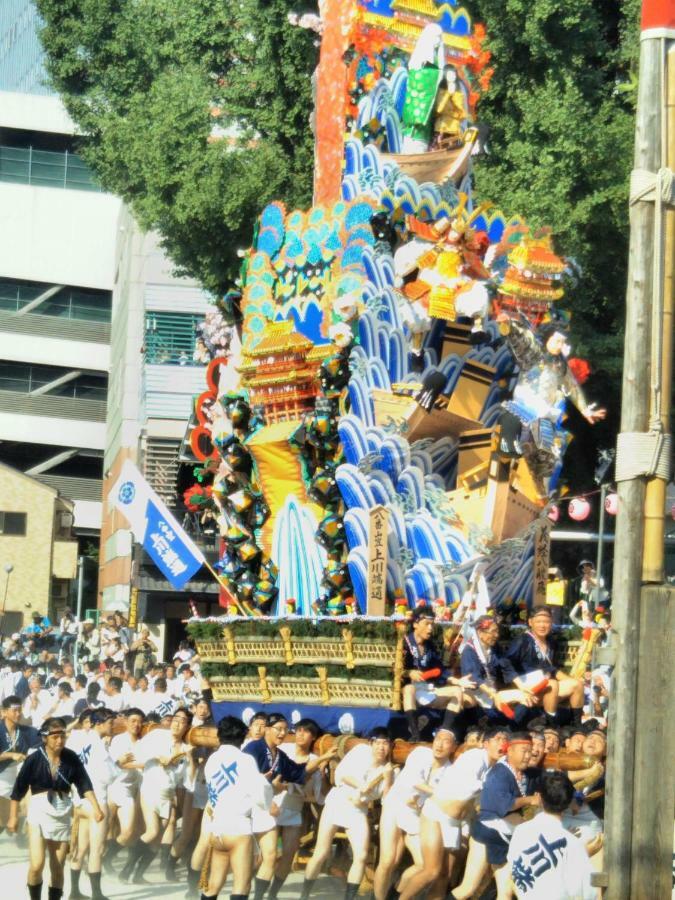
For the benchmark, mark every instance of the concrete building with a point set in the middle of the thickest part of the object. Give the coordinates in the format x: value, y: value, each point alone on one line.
x: 153, y: 382
x: 57, y: 254
x: 96, y: 334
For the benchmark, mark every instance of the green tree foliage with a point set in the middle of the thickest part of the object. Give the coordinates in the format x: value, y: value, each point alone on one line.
x: 143, y: 78
x: 561, y: 118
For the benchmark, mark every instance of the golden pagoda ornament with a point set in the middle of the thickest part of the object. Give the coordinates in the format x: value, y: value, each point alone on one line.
x: 281, y: 372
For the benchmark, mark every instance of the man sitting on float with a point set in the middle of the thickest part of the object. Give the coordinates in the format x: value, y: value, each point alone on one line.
x: 532, y: 656
x: 430, y: 684
x: 490, y: 672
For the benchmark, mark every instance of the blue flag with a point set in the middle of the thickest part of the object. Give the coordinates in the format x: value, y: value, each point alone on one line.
x: 174, y: 553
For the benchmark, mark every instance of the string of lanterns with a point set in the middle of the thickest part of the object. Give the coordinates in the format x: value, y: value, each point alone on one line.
x: 579, y: 508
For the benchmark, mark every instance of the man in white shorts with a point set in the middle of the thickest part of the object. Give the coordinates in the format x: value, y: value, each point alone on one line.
x: 91, y: 832
x: 163, y: 754
x: 235, y: 789
x: 279, y: 770
x: 195, y: 802
x: 123, y: 793
x: 365, y: 774
x: 400, y: 820
x: 291, y: 802
x: 442, y: 815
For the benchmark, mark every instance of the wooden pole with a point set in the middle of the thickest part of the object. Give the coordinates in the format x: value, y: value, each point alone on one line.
x: 654, y: 775
x: 655, y: 499
x: 207, y: 736
x: 629, y: 526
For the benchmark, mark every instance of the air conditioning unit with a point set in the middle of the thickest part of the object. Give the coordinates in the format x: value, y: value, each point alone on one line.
x: 66, y: 520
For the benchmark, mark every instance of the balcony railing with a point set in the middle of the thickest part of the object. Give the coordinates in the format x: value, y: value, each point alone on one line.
x: 45, y: 168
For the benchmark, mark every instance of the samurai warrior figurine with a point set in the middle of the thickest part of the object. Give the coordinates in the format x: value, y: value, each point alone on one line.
x: 531, y: 424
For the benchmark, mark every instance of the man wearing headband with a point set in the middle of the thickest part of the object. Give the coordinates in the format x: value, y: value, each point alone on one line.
x: 443, y: 815
x: 430, y: 684
x: 49, y: 774
x: 550, y: 733
x: 531, y: 655
x: 490, y: 672
x: 162, y: 753
x: 400, y: 819
x: 364, y: 775
x: 505, y: 794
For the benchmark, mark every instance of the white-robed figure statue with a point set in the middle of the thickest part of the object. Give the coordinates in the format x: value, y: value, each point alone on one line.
x: 426, y: 71
x: 475, y: 601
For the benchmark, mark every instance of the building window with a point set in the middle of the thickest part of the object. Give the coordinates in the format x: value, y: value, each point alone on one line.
x: 24, y: 378
x: 13, y: 523
x: 66, y: 303
x: 44, y: 160
x: 170, y: 338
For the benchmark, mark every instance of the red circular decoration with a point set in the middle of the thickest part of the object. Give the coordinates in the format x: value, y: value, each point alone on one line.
x: 202, y: 445
x: 612, y: 504
x: 213, y: 372
x: 203, y: 404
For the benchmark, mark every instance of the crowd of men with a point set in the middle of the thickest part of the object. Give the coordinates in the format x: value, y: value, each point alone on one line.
x: 111, y: 799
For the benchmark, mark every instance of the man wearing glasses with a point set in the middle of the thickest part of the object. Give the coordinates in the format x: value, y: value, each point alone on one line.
x: 50, y: 773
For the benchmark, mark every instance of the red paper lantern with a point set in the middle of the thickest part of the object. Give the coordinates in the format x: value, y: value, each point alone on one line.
x: 612, y: 504
x: 579, y: 509
x: 554, y: 513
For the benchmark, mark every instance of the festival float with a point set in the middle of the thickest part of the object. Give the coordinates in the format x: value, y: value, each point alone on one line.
x: 382, y: 423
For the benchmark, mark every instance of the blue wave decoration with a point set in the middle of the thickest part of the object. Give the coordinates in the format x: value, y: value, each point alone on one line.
x: 356, y: 528
x: 354, y: 488
x: 353, y: 438
x: 395, y: 452
x: 357, y: 562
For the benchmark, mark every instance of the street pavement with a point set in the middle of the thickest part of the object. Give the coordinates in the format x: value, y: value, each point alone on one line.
x: 14, y: 865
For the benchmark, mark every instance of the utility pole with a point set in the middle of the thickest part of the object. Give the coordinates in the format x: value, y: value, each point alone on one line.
x: 640, y: 775
x: 78, y: 612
